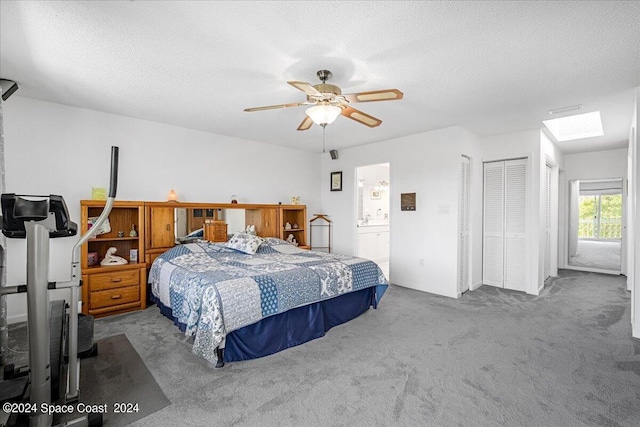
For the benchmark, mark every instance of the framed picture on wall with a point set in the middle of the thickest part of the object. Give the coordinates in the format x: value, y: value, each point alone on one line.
x: 336, y: 181
x: 375, y: 194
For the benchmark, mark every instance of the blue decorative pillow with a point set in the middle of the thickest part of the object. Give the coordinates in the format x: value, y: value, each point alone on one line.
x: 246, y: 243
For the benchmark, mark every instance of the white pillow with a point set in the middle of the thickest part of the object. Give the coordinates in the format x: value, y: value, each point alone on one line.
x: 246, y: 243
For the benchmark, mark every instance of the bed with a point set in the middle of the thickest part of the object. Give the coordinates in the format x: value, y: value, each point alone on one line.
x: 240, y: 301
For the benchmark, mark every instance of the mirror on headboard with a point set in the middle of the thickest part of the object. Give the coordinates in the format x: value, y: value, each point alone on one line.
x: 188, y: 221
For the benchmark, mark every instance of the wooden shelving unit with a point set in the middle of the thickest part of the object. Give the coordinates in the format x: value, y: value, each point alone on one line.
x: 294, y: 214
x: 115, y: 288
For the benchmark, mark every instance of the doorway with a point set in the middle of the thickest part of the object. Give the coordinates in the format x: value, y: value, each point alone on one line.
x: 372, y: 214
x: 595, y: 225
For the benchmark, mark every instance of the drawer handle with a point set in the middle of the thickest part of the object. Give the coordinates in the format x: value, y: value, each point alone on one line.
x: 116, y: 296
x: 116, y: 280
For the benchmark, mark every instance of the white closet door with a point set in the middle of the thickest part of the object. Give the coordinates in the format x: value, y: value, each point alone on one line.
x: 463, y: 226
x: 547, y: 222
x: 493, y: 225
x: 515, y: 204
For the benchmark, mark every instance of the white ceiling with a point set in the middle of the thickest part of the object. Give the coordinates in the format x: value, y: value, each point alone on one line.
x: 492, y: 67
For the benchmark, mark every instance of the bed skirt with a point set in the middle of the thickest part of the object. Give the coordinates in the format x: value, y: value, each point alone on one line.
x: 291, y: 328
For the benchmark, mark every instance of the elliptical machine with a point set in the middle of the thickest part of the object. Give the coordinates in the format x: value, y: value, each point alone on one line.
x: 37, y: 221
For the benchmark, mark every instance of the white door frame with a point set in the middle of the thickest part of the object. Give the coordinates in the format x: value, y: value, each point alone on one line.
x: 623, y: 238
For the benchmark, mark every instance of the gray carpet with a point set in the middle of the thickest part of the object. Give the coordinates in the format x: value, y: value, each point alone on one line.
x: 492, y: 357
x: 597, y: 254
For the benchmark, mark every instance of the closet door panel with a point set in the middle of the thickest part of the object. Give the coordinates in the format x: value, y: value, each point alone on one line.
x: 493, y: 225
x: 515, y: 224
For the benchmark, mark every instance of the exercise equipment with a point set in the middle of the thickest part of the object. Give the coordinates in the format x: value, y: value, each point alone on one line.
x: 47, y: 379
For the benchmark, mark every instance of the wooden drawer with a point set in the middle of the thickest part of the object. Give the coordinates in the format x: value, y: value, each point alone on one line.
x: 113, y: 297
x: 215, y: 231
x: 117, y: 279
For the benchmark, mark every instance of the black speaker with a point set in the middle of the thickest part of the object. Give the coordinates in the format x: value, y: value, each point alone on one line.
x: 8, y: 87
x: 334, y: 154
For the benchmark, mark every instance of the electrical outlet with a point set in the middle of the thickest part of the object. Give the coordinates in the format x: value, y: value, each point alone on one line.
x: 421, y: 262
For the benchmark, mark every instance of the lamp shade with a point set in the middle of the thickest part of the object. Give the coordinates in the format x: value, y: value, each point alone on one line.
x: 323, y: 114
x: 172, y: 197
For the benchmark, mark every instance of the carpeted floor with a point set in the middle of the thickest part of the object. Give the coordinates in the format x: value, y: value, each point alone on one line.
x: 492, y: 357
x: 597, y: 254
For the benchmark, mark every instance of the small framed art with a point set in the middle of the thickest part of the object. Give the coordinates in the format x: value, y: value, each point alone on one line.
x: 408, y: 201
x: 336, y: 181
x: 375, y: 194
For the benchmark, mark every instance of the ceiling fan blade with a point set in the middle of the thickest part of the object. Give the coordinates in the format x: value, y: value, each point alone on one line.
x: 376, y: 95
x: 305, y: 87
x: 306, y: 123
x: 360, y: 117
x: 273, y: 107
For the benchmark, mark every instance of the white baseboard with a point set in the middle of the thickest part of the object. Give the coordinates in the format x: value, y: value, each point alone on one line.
x: 593, y: 270
x: 16, y: 319
x: 475, y: 286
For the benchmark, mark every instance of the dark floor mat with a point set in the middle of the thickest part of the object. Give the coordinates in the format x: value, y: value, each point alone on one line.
x: 119, y: 378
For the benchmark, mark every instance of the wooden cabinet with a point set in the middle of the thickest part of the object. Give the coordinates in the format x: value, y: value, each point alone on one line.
x: 114, y: 288
x: 215, y: 231
x: 159, y: 230
x: 373, y: 243
x: 161, y: 236
x: 296, y: 217
x: 265, y: 219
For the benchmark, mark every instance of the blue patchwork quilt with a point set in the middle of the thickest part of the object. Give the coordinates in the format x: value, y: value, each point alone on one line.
x: 215, y: 290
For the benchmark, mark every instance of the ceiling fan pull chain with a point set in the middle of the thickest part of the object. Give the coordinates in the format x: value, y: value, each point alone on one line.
x: 323, y: 129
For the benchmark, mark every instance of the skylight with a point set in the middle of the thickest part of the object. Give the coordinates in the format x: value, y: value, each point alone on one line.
x: 575, y: 127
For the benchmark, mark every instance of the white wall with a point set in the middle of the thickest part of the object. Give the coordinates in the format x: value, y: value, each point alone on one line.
x: 53, y: 148
x: 427, y: 164
x: 634, y: 201
x: 592, y: 165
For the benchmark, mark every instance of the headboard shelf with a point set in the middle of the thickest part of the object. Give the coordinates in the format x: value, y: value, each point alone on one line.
x: 165, y: 222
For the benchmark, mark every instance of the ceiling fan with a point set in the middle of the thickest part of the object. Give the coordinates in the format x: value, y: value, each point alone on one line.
x: 328, y: 102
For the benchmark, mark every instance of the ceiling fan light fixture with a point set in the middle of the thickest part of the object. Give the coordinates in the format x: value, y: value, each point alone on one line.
x: 323, y: 114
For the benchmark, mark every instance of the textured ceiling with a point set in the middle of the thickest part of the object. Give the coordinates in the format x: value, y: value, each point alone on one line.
x: 492, y: 67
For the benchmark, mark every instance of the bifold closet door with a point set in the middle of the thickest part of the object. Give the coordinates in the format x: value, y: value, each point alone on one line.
x: 463, y: 226
x: 515, y: 205
x: 504, y: 224
x: 493, y: 225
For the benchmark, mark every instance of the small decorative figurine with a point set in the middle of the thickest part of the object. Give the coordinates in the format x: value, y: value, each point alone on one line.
x: 92, y: 258
x: 234, y: 199
x: 295, y: 226
x: 120, y: 233
x: 111, y: 259
x: 287, y: 226
x: 292, y: 240
x: 133, y: 232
